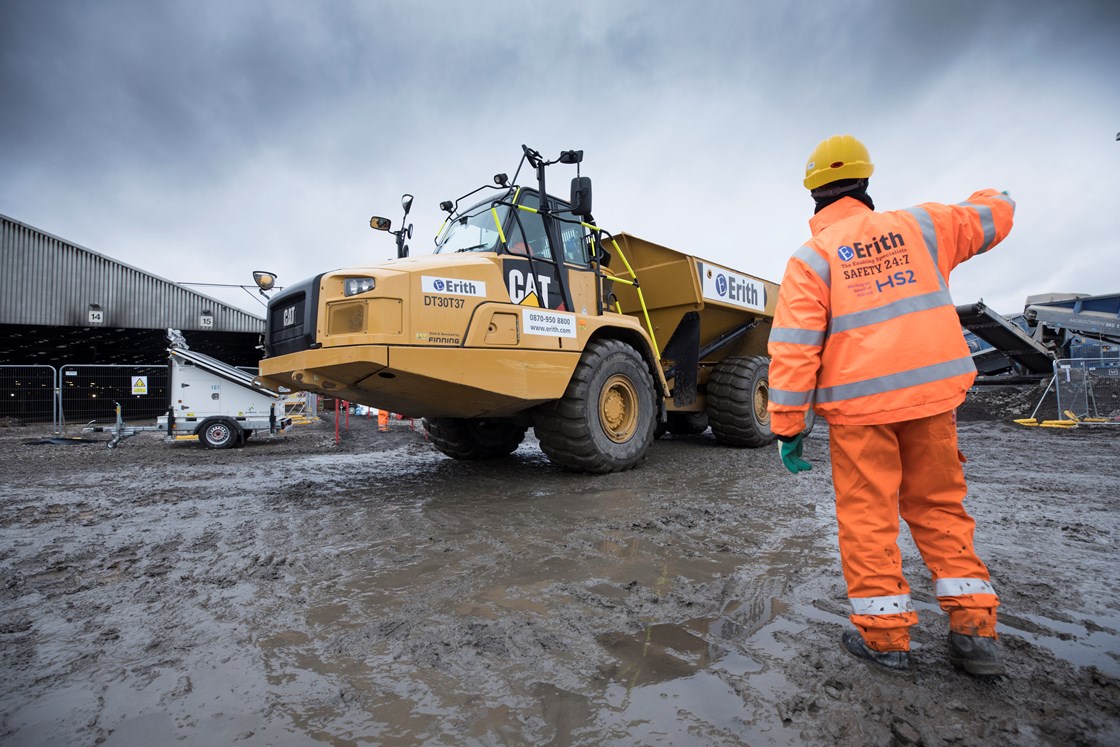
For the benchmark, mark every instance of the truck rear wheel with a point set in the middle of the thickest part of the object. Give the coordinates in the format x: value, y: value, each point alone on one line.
x: 737, y: 397
x: 219, y: 433
x: 474, y: 438
x: 605, y: 420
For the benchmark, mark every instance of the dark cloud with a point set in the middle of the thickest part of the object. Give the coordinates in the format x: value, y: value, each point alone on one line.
x: 272, y: 126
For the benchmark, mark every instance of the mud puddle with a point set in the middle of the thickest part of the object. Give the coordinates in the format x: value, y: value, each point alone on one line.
x: 375, y: 592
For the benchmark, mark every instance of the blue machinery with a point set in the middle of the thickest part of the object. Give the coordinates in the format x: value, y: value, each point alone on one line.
x: 1051, y: 327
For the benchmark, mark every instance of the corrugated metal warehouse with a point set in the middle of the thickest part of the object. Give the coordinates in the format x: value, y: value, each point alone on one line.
x: 62, y: 303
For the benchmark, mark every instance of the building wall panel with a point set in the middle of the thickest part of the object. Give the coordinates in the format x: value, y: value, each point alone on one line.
x: 45, y: 280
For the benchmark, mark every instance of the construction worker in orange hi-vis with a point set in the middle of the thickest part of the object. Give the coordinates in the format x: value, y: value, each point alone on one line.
x: 382, y: 420
x: 866, y: 333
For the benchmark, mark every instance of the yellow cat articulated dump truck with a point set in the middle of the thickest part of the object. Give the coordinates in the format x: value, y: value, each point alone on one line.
x: 529, y: 314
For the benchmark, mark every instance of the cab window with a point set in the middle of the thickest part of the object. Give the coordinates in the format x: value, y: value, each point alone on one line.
x: 527, y: 236
x: 572, y: 234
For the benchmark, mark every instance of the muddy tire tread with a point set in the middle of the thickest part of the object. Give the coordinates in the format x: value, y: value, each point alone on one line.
x: 564, y: 427
x: 462, y: 438
x: 730, y: 405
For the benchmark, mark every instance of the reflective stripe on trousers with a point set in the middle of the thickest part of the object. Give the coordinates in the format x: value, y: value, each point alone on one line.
x: 912, y: 469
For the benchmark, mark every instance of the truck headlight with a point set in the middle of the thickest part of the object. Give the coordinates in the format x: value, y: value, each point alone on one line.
x: 354, y: 286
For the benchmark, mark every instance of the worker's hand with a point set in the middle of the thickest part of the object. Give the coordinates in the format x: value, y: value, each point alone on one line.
x: 790, y: 452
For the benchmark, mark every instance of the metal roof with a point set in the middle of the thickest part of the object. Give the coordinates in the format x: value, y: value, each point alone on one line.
x: 48, y: 281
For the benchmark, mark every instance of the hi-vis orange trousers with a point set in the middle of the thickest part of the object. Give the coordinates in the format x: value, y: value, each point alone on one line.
x: 912, y: 468
x: 382, y: 420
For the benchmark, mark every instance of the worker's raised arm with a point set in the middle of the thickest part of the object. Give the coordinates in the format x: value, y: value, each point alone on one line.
x: 969, y: 228
x: 796, y: 339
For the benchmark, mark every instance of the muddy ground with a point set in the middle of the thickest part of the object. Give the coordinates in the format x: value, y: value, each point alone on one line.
x: 376, y: 592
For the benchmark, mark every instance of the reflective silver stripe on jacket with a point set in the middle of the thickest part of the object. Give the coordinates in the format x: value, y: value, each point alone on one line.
x: 797, y: 336
x: 895, y: 381
x: 817, y: 264
x: 881, y: 605
x: 987, y: 224
x: 790, y: 399
x: 929, y: 235
x: 924, y: 302
x: 959, y: 587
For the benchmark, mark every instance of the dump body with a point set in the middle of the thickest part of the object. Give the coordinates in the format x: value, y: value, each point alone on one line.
x: 675, y: 284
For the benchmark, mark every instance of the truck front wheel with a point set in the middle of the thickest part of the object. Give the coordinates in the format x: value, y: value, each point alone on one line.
x: 605, y: 421
x: 737, y: 397
x: 219, y: 433
x: 474, y: 438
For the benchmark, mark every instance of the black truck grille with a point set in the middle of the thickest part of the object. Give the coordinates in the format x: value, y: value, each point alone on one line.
x: 291, y: 318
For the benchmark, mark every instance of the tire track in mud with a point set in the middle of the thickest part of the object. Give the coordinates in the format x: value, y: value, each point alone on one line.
x: 376, y: 591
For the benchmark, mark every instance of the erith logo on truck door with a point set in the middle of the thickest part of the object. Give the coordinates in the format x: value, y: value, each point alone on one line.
x: 452, y: 286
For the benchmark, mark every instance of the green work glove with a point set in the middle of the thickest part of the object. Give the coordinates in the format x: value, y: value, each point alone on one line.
x: 790, y: 452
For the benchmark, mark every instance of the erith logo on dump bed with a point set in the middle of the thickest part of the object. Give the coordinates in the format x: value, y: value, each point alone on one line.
x: 452, y: 286
x: 726, y: 286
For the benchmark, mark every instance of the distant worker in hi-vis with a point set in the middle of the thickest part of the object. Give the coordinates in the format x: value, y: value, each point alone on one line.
x: 867, y: 334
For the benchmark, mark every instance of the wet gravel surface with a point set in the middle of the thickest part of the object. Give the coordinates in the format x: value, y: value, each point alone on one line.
x: 375, y: 592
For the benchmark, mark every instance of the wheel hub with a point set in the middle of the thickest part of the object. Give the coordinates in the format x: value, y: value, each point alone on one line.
x: 761, y: 403
x: 618, y: 409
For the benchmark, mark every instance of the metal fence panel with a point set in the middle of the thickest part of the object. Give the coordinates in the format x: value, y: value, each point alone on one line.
x: 1089, y: 389
x: 28, y: 393
x: 88, y: 392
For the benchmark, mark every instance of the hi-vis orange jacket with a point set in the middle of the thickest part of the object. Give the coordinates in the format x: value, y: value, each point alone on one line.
x: 865, y: 328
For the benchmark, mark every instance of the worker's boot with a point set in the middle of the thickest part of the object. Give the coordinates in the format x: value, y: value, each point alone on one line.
x: 898, y: 661
x: 976, y: 655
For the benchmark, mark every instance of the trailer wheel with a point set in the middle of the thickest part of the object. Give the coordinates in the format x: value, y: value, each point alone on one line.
x: 219, y: 433
x: 738, y: 394
x: 474, y: 438
x: 688, y: 423
x: 606, y: 419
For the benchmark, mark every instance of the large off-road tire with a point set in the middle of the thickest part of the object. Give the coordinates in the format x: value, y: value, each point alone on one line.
x: 219, y: 433
x: 737, y: 395
x: 474, y: 438
x: 606, y: 418
x: 688, y: 423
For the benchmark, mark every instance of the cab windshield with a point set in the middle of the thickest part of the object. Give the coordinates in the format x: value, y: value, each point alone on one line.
x: 475, y: 230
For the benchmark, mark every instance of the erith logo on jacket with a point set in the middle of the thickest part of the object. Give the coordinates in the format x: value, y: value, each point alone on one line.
x: 876, y: 246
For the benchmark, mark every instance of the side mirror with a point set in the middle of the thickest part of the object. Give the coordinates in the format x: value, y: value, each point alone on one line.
x: 581, y: 196
x: 571, y: 156
x: 266, y: 281
x: 406, y: 203
x: 380, y: 224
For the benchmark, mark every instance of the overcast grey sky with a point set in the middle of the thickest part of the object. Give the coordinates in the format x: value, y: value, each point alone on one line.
x: 203, y: 140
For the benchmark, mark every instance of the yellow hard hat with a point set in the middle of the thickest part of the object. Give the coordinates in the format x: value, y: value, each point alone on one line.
x: 838, y: 157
